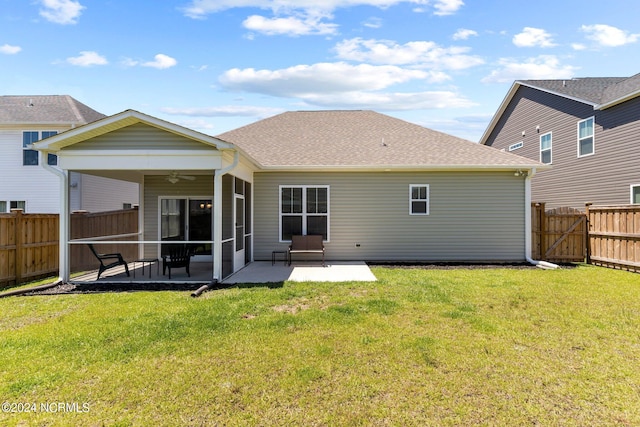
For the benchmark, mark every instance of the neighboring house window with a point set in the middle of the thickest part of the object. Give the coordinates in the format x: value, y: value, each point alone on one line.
x: 635, y: 194
x: 419, y: 199
x: 30, y: 156
x: 52, y: 159
x: 586, y: 145
x: 304, y: 210
x: 17, y: 204
x: 3, y: 206
x: 515, y: 146
x: 545, y: 148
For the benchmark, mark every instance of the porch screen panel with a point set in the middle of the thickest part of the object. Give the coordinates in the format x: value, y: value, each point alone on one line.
x: 227, y: 207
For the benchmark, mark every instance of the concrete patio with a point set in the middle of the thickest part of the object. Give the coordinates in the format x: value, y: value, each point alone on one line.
x: 264, y: 272
x: 255, y: 272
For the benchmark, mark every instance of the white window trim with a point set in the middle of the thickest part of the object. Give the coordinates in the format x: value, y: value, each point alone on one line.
x: 631, y: 187
x: 550, y: 148
x: 411, y: 199
x: 516, y: 146
x: 593, y: 137
x: 304, y: 209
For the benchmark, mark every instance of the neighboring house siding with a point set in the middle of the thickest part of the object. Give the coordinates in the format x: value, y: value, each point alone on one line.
x: 92, y: 193
x: 36, y: 186
x: 473, y: 216
x: 602, y: 178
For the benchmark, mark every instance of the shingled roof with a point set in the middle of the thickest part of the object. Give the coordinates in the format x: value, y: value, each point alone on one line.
x: 601, y: 92
x: 360, y: 139
x: 45, y: 109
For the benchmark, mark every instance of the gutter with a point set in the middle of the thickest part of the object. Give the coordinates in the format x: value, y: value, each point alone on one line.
x: 63, y: 269
x: 527, y: 228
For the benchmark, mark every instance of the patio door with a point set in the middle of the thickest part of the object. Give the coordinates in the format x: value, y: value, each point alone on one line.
x: 187, y: 219
x: 239, y: 257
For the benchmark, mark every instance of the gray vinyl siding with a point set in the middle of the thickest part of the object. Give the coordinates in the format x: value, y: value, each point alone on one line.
x: 139, y: 137
x: 602, y: 178
x: 473, y: 216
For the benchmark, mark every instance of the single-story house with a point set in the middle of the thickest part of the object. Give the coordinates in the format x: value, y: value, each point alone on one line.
x: 375, y: 187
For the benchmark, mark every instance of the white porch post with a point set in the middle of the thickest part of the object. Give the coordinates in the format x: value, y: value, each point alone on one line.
x: 217, y: 216
x: 63, y: 263
x: 217, y: 225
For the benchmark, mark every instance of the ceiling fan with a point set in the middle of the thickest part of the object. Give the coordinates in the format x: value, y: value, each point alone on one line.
x: 175, y: 176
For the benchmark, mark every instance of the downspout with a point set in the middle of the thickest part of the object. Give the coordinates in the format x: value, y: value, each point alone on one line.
x: 63, y: 256
x: 217, y: 216
x: 527, y: 227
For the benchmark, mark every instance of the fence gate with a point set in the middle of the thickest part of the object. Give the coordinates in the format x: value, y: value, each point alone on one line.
x: 558, y: 235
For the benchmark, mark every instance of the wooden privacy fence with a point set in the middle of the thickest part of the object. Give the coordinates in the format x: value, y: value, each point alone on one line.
x: 558, y: 235
x: 614, y: 236
x: 29, y: 242
x: 28, y: 247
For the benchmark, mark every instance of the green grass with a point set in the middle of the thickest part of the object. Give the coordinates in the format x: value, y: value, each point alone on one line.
x: 418, y: 347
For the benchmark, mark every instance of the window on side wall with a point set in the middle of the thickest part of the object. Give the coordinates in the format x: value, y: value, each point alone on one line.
x: 304, y: 209
x: 18, y: 204
x: 29, y: 155
x: 635, y: 194
x: 419, y: 199
x: 545, y: 148
x: 586, y: 142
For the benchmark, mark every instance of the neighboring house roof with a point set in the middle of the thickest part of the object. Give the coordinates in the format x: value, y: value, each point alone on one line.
x: 599, y: 92
x: 45, y: 109
x: 360, y: 140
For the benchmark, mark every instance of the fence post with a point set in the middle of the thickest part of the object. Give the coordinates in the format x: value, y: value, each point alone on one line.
x: 542, y: 212
x: 19, y: 243
x: 587, y: 239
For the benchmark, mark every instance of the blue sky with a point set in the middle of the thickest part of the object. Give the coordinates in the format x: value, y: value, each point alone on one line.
x: 215, y: 65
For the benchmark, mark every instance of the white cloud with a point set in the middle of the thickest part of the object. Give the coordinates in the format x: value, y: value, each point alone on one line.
x: 223, y: 111
x: 541, y: 67
x: 447, y: 7
x: 532, y: 37
x: 292, y: 26
x: 420, y: 53
x: 199, y: 9
x: 7, y: 49
x: 390, y: 101
x: 608, y: 36
x: 578, y: 46
x: 161, y: 61
x: 303, y: 80
x: 373, y: 22
x: 61, y: 11
x: 88, y: 59
x: 464, y: 34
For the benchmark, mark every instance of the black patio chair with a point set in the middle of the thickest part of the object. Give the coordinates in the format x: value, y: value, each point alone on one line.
x: 179, y: 256
x: 112, y: 260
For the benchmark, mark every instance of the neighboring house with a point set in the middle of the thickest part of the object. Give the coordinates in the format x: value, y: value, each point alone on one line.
x: 587, y: 128
x: 25, y: 183
x: 375, y: 187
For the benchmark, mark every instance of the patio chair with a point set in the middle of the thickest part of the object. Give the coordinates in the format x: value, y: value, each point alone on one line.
x: 108, y: 261
x: 179, y: 256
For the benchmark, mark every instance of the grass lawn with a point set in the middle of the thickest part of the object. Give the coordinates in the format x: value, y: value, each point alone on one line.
x: 418, y: 347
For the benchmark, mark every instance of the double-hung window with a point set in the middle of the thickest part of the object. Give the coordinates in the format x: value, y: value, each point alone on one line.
x: 545, y: 148
x: 586, y: 144
x: 304, y: 209
x: 419, y: 199
x: 29, y: 155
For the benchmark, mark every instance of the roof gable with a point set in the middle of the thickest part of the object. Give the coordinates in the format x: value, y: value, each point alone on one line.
x: 46, y: 109
x: 128, y: 118
x: 360, y: 139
